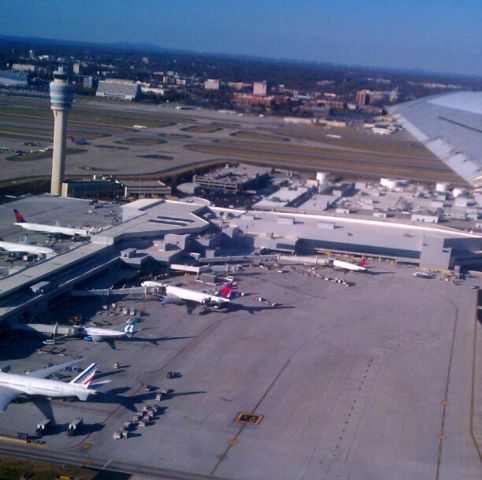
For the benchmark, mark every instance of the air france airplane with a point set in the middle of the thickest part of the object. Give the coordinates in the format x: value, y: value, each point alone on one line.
x: 35, y: 383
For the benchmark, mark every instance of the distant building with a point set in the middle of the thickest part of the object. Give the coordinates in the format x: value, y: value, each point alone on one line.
x: 154, y: 90
x: 13, y: 79
x: 238, y: 85
x: 232, y: 179
x: 118, y: 89
x: 169, y: 79
x: 98, y: 188
x: 368, y: 97
x: 249, y: 99
x: 260, y: 88
x: 211, y: 84
x: 76, y: 68
x: 338, y: 104
x: 363, y: 97
x: 145, y: 189
x: 23, y: 67
x: 87, y: 82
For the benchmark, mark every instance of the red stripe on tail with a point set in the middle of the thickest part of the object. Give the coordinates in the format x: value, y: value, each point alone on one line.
x: 18, y: 216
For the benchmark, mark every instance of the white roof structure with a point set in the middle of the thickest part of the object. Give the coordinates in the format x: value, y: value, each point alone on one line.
x: 118, y: 90
x: 450, y: 125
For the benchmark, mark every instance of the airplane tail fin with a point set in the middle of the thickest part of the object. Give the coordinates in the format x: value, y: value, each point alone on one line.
x: 130, y: 328
x: 225, y: 292
x: 85, y: 378
x: 362, y: 262
x: 18, y: 216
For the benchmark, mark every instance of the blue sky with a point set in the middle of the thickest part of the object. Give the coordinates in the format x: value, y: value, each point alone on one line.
x: 443, y: 35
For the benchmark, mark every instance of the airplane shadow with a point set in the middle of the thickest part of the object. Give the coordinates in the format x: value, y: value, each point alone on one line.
x: 116, y: 396
x: 155, y: 341
x: 87, y: 428
x: 172, y: 394
x: 236, y: 307
x: 379, y: 273
x: 100, y: 375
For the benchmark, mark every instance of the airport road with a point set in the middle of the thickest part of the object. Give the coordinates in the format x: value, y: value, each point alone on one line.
x: 37, y: 453
x: 371, y: 381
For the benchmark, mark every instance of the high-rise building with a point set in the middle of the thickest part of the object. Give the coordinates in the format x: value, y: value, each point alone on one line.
x: 61, y: 96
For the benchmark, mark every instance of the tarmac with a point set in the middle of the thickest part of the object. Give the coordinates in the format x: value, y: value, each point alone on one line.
x: 369, y: 381
x: 106, y: 143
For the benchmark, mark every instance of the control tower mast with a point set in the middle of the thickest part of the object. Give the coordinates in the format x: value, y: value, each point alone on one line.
x: 61, y: 96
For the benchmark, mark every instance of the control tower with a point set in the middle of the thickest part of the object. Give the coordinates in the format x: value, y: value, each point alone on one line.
x: 61, y: 96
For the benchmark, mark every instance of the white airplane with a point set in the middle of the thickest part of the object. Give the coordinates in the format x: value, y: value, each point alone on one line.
x: 25, y: 248
x: 35, y: 383
x: 94, y: 334
x: 349, y: 266
x: 174, y: 294
x: 53, y: 229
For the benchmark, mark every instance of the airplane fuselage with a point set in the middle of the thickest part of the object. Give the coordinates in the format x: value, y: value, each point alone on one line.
x: 43, y: 387
x: 348, y: 266
x: 186, y: 294
x: 25, y: 248
x: 103, y: 332
x: 68, y: 231
x: 194, y: 296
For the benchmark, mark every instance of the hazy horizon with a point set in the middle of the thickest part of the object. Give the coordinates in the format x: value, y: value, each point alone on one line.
x: 436, y: 37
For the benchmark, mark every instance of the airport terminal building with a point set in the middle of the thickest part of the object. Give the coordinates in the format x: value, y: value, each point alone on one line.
x: 161, y: 232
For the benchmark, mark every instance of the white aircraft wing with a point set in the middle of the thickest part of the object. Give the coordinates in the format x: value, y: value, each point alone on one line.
x: 7, y: 395
x: 45, y: 372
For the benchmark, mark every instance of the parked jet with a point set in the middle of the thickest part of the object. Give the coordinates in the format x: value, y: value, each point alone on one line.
x: 35, y: 383
x: 25, y: 247
x: 175, y: 294
x: 51, y: 229
x: 349, y: 266
x: 94, y: 334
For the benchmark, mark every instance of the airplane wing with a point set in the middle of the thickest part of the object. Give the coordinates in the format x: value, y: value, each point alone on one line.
x: 190, y: 306
x: 110, y: 342
x: 45, y: 372
x: 7, y: 395
x: 169, y: 299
